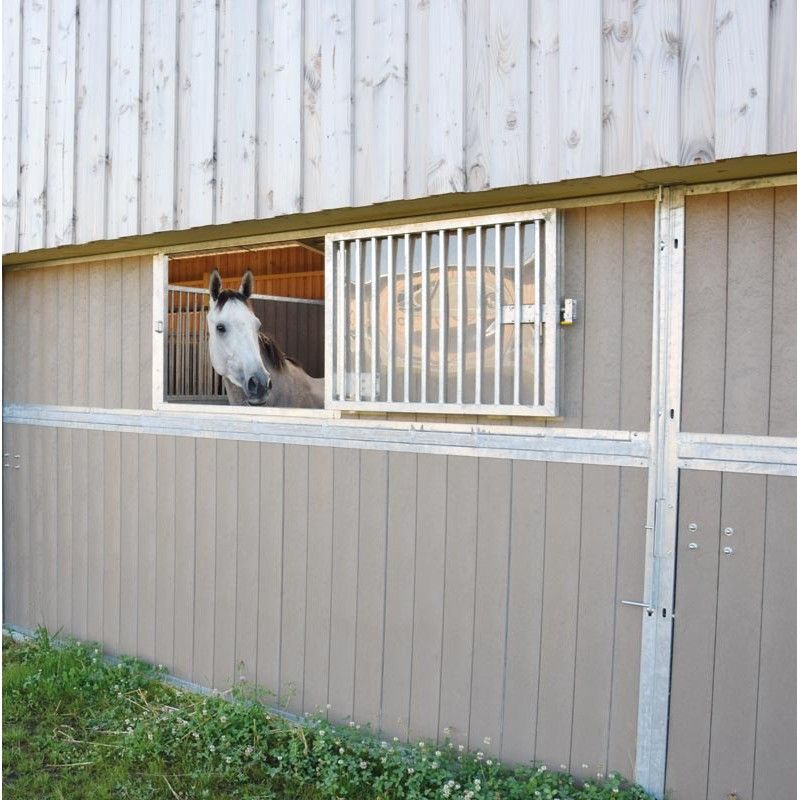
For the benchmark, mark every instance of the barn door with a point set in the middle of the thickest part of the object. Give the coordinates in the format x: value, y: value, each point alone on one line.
x: 732, y: 705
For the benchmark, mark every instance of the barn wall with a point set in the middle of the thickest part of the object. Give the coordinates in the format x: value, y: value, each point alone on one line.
x: 412, y: 592
x: 103, y: 342
x: 740, y: 330
x: 154, y: 115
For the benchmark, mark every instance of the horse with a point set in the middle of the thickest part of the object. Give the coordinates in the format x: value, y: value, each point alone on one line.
x: 254, y: 370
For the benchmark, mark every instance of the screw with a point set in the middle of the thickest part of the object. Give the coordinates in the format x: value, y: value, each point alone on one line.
x: 693, y: 527
x: 693, y: 545
x: 728, y: 551
x: 728, y: 531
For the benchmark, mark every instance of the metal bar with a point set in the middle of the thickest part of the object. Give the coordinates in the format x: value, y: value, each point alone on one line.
x: 390, y: 301
x: 178, y: 353
x: 407, y: 326
x: 374, y: 320
x: 358, y: 322
x: 275, y: 297
x: 518, y: 309
x: 478, y: 313
x: 498, y: 310
x: 424, y: 358
x: 537, y: 328
x: 186, y: 339
x: 442, y: 320
x: 460, y: 334
x: 340, y: 321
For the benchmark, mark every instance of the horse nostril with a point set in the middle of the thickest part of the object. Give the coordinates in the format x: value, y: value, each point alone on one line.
x: 252, y: 385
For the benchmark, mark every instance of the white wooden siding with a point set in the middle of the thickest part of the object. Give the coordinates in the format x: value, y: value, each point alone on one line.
x: 152, y: 116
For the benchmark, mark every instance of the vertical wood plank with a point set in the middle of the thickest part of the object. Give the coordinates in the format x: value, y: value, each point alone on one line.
x: 33, y: 126
x: 113, y: 334
x: 48, y: 302
x: 112, y: 564
x: 185, y: 555
x: 91, y: 147
x: 776, y: 729
x: 341, y: 690
x: 80, y: 539
x: 10, y: 547
x: 295, y: 552
x: 236, y: 111
x: 96, y: 333
x: 64, y: 524
x: 318, y: 585
x: 379, y: 96
x: 12, y: 71
x: 741, y: 78
x: 559, y: 614
x: 545, y: 144
x: 247, y: 535
x: 740, y: 588
x: 129, y: 320
x: 596, y: 609
x: 524, y: 619
x: 697, y: 71
x: 124, y: 169
x: 129, y: 544
x: 61, y: 123
x: 148, y: 548
x: 196, y: 106
x: 24, y: 577
x: 749, y: 300
x: 34, y: 338
x: 705, y: 311
x: 49, y: 527
x: 630, y: 560
x: 160, y: 95
x: 477, y: 144
x: 65, y: 346
x: 165, y: 551
x: 145, y: 332
x: 693, y: 642
x: 311, y: 174
x: 225, y: 563
x: 445, y: 134
x: 417, y: 112
x: 459, y: 601
x: 656, y: 85
x: 509, y: 92
x: 782, y: 122
x: 603, y: 317
x: 371, y: 584
x: 9, y: 374
x: 204, y: 568
x: 80, y: 335
x: 491, y: 610
x: 637, y: 316
x: 282, y: 124
x: 618, y: 53
x: 95, y: 536
x: 429, y: 564
x: 783, y: 377
x: 580, y: 93
x: 34, y: 533
x: 399, y: 616
x: 336, y: 106
x: 270, y: 566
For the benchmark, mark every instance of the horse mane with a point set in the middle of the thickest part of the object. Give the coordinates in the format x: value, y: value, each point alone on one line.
x: 274, y: 353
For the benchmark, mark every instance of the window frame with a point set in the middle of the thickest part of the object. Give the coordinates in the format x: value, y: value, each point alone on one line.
x: 551, y: 365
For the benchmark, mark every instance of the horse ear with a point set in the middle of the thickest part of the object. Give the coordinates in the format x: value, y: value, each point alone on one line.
x: 246, y: 288
x: 214, y: 285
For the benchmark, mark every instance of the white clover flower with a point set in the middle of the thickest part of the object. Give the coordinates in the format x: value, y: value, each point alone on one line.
x: 438, y: 754
x: 543, y: 768
x: 435, y: 764
x: 446, y: 791
x: 351, y: 724
x: 461, y: 748
x: 562, y: 766
x: 395, y: 739
x: 383, y: 760
x: 328, y: 705
x: 248, y: 751
x: 599, y: 774
x: 341, y: 751
x: 149, y: 736
x: 384, y: 745
x: 195, y: 734
x: 422, y: 744
x: 411, y: 770
x: 322, y: 731
x: 212, y: 748
x: 362, y: 764
x: 584, y: 766
x: 479, y: 755
x: 280, y: 758
x: 223, y: 719
x: 228, y: 759
x: 340, y: 761
x: 489, y: 762
x: 358, y: 727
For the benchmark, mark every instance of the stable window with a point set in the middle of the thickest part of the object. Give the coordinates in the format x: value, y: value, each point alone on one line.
x: 461, y: 317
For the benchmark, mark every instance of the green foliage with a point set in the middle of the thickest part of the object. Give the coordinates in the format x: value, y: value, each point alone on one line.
x: 76, y: 726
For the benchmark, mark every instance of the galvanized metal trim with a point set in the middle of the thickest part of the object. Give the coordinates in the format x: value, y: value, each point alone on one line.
x: 159, y: 333
x: 278, y: 297
x: 616, y: 448
x: 769, y: 455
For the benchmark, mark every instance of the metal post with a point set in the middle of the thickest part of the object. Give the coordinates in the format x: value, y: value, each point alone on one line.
x: 460, y: 317
x: 390, y: 301
x: 374, y: 320
x: 424, y: 359
x: 478, y: 313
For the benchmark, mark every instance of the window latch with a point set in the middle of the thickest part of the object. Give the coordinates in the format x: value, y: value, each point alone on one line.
x: 569, y: 311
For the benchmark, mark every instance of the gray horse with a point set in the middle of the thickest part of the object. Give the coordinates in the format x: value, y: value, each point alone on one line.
x: 253, y: 369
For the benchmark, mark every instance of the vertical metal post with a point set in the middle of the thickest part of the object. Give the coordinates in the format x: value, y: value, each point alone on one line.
x: 424, y: 358
x: 358, y: 322
x: 374, y: 320
x: 478, y: 313
x: 340, y: 322
x: 537, y: 328
x: 407, y: 328
x: 390, y: 316
x: 662, y: 518
x: 498, y: 310
x: 443, y: 322
x: 517, y: 309
x: 460, y: 316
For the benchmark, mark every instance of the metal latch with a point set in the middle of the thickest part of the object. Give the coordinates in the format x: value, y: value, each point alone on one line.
x: 508, y: 314
x: 569, y: 311
x: 159, y: 327
x: 646, y: 606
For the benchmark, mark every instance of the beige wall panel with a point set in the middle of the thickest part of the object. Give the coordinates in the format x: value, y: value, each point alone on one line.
x: 64, y: 521
x: 112, y: 542
x: 129, y: 544
x: 112, y: 350
x: 65, y: 351
x: 185, y: 555
x: 166, y: 513
x: 148, y: 548
x: 10, y: 554
x: 35, y: 531
x: 94, y: 510
x: 80, y: 533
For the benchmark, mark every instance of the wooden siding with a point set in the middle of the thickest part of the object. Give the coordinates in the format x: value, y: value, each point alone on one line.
x: 413, y: 592
x: 735, y: 640
x: 200, y: 112
x: 741, y: 313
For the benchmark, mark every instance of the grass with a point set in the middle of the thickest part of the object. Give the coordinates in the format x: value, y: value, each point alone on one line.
x: 76, y: 726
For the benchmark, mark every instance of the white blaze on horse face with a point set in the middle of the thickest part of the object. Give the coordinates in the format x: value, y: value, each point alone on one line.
x: 234, y: 348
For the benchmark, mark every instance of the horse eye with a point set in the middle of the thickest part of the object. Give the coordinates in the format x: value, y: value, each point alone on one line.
x: 220, y: 328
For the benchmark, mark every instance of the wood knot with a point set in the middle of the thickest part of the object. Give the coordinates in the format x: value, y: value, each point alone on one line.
x: 573, y: 139
x: 511, y: 121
